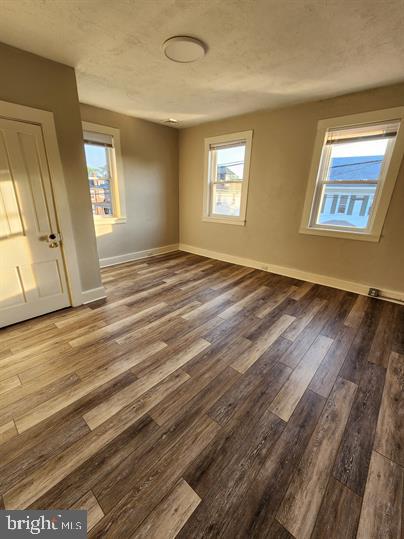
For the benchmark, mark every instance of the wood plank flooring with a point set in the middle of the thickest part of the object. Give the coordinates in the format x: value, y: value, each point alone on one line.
x: 204, y: 399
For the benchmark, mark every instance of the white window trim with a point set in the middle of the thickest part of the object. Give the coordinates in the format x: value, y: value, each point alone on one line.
x: 385, y: 190
x: 117, y: 175
x: 228, y: 138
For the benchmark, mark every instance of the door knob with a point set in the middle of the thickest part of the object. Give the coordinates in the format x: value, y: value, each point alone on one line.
x: 53, y: 240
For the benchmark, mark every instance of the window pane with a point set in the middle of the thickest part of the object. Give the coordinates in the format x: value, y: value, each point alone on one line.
x: 230, y: 163
x: 97, y: 161
x: 101, y: 198
x: 346, y: 205
x: 360, y: 160
x: 227, y: 199
x: 99, y: 178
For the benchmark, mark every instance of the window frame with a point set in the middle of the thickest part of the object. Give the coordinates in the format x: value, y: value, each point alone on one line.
x: 117, y: 174
x: 385, y: 186
x: 229, y: 138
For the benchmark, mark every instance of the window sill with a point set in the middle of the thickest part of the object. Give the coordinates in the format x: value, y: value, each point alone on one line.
x: 348, y: 235
x: 239, y: 222
x: 109, y: 220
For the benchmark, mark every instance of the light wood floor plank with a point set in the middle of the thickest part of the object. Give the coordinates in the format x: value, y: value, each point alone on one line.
x: 300, y: 323
x: 329, y: 368
x: 171, y: 514
x: 9, y: 383
x: 118, y: 325
x: 357, y: 312
x: 89, y: 503
x: 48, y: 408
x: 302, y: 291
x: 132, y: 394
x: 250, y: 356
x: 56, y: 468
x: 7, y: 431
x: 290, y: 394
x: 275, y: 300
x: 237, y: 307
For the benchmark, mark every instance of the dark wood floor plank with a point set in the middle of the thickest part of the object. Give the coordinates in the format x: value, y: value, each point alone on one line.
x: 302, y: 321
x: 270, y: 382
x: 325, y: 376
x: 339, y: 514
x: 211, y: 363
x: 133, y: 441
x: 301, y: 345
x: 340, y: 303
x: 58, y: 466
x: 150, y: 485
x: 299, y: 508
x: 398, y: 331
x: 255, y: 515
x: 262, y: 343
x: 383, y: 339
x: 352, y: 462
x: 277, y: 531
x: 390, y: 426
x: 358, y: 354
x: 120, y: 480
x: 21, y: 455
x: 219, y: 477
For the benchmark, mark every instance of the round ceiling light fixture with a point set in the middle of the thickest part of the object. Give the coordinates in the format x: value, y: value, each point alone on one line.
x: 184, y: 49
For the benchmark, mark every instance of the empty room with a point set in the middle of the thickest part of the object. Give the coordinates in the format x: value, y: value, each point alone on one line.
x: 202, y: 269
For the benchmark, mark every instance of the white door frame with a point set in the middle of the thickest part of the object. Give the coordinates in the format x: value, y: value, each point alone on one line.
x: 45, y: 120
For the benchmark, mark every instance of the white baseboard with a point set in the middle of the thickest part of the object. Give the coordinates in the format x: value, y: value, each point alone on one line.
x: 128, y: 257
x: 94, y: 294
x: 294, y: 273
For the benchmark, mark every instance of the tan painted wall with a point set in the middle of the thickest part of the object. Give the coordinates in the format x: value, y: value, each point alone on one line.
x: 281, y: 153
x: 33, y: 81
x: 150, y: 161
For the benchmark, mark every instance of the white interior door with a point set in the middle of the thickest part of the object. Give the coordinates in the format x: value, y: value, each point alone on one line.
x: 32, y: 273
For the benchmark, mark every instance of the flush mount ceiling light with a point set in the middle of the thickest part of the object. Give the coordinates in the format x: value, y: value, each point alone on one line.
x: 171, y: 121
x: 184, y: 49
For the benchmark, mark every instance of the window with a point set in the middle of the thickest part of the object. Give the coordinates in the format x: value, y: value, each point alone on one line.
x: 227, y: 163
x: 354, y: 168
x: 105, y: 176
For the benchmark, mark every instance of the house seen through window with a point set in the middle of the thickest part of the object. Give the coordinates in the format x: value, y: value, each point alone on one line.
x: 354, y: 162
x: 100, y: 178
x: 227, y: 176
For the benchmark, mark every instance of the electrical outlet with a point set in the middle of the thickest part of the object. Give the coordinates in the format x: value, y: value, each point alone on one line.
x: 374, y: 292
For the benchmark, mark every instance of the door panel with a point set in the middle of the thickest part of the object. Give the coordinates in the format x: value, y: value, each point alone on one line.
x: 32, y: 274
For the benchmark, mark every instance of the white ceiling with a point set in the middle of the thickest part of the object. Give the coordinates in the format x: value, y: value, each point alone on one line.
x: 262, y: 53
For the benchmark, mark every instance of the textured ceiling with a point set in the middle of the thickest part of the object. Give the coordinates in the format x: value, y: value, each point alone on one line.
x: 262, y: 53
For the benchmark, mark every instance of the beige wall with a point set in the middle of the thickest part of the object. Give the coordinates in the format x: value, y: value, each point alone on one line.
x: 33, y: 81
x: 281, y: 153
x: 150, y: 161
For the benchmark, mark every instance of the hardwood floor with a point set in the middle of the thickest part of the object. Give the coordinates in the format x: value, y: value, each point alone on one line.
x: 203, y: 399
